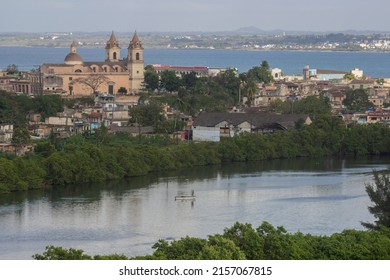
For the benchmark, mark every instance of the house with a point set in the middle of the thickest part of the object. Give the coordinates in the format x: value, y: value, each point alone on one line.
x: 115, y: 109
x: 336, y: 98
x: 132, y: 130
x: 39, y: 130
x: 380, y: 116
x: 212, y: 126
x: 6, y: 133
x: 5, y: 83
x: 361, y: 84
x: 378, y: 101
x: 94, y: 120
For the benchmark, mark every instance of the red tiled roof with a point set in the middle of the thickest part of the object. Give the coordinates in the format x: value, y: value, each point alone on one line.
x: 95, y: 115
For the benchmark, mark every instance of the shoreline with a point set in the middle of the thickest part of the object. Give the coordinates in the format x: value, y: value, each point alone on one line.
x: 212, y: 49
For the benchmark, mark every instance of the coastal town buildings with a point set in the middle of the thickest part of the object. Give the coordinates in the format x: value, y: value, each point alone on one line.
x: 212, y: 126
x: 114, y: 83
x: 76, y: 77
x: 200, y: 71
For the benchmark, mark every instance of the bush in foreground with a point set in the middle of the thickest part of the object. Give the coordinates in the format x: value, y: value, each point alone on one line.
x: 242, y: 241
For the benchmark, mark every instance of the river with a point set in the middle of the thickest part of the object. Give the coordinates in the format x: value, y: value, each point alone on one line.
x: 320, y: 197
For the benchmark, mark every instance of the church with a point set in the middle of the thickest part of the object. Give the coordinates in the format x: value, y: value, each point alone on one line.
x: 76, y: 78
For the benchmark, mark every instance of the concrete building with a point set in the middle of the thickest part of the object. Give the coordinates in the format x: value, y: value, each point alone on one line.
x: 357, y: 73
x: 277, y: 74
x: 322, y: 74
x: 201, y: 71
x: 211, y: 126
x: 6, y: 133
x: 361, y: 84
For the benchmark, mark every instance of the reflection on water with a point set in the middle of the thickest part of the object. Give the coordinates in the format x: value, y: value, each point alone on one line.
x: 129, y: 216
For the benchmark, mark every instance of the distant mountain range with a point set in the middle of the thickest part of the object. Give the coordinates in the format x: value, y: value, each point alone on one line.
x: 248, y: 30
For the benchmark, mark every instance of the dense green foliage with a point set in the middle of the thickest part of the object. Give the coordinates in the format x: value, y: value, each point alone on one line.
x: 326, y: 136
x: 14, y: 108
x: 147, y: 114
x: 190, y: 94
x: 311, y: 105
x: 102, y: 156
x: 242, y: 241
x: 357, y: 100
x: 59, y: 253
x: 89, y: 159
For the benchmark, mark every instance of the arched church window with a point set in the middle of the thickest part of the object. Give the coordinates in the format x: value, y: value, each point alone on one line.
x: 78, y: 71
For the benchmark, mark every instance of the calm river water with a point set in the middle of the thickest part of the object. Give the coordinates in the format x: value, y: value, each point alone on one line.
x: 319, y: 197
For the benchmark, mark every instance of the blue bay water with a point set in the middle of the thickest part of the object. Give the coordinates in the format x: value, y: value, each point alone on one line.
x: 374, y: 64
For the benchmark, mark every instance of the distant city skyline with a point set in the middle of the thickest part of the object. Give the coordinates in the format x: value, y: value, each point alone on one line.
x: 193, y: 15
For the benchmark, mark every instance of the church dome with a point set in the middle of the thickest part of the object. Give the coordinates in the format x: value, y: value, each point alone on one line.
x: 73, y: 59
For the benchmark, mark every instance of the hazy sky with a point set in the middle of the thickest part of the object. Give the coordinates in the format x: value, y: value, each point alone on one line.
x: 193, y: 15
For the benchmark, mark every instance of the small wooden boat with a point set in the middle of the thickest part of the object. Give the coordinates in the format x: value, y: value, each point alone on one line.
x: 186, y: 197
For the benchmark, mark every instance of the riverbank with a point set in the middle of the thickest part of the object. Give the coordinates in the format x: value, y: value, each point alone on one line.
x: 99, y: 157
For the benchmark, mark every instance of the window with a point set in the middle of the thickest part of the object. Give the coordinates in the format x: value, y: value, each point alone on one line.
x: 114, y: 55
x: 137, y: 56
x: 70, y: 78
x: 78, y: 71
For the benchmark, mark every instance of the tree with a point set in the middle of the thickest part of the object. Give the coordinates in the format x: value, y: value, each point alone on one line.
x: 170, y: 81
x: 312, y: 105
x: 379, y: 193
x: 48, y: 105
x: 151, y: 78
x: 357, y: 100
x: 260, y: 74
x: 93, y: 81
x: 59, y: 253
x: 380, y: 82
x: 250, y: 90
x: 229, y: 81
x: 122, y: 90
x: 349, y: 76
x: 146, y: 115
x: 20, y: 137
x: 12, y: 69
x: 189, y: 80
x: 101, y: 134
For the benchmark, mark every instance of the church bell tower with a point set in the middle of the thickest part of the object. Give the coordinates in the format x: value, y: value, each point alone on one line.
x: 135, y: 64
x: 112, y: 49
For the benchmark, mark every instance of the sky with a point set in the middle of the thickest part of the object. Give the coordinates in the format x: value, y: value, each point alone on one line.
x: 193, y: 15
